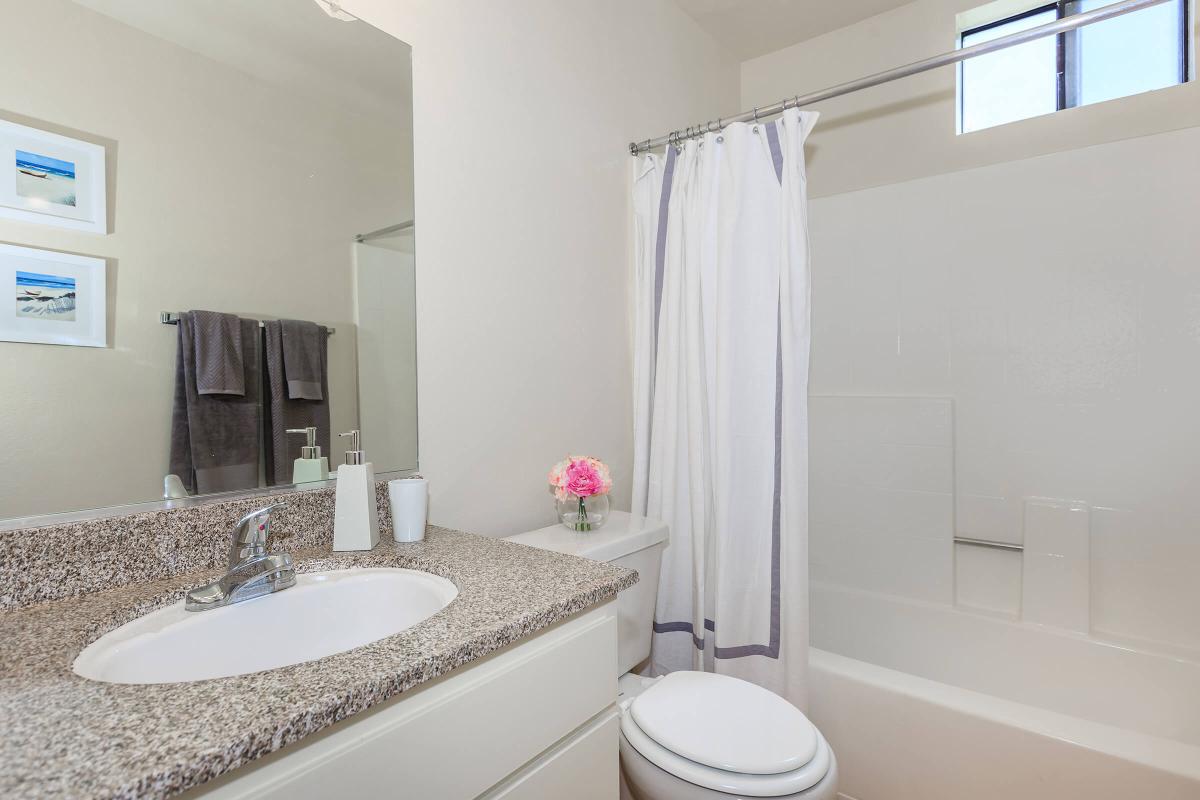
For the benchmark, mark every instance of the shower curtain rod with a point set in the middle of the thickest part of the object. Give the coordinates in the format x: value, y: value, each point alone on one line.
x: 945, y: 59
x: 362, y: 237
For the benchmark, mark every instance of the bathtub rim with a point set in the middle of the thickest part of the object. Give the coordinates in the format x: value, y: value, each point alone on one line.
x: 1151, y: 752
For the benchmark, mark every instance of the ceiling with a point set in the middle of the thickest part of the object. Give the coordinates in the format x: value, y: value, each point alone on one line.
x: 751, y: 28
x: 291, y: 43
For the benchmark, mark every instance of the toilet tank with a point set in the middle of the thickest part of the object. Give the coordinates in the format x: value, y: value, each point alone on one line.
x: 628, y: 541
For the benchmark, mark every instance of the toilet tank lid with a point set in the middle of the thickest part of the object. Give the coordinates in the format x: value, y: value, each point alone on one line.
x: 622, y: 535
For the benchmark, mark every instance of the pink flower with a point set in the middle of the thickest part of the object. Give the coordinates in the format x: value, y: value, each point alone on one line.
x: 583, y: 480
x: 582, y: 476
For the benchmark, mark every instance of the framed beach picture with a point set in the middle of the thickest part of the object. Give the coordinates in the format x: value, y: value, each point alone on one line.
x: 51, y: 179
x: 53, y: 298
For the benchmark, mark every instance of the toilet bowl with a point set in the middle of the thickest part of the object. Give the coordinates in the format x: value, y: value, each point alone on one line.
x: 692, y: 735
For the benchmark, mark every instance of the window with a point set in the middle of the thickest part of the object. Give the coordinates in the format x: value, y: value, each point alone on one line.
x: 1137, y: 52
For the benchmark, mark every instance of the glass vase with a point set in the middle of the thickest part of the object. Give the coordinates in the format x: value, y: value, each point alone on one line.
x: 583, y: 514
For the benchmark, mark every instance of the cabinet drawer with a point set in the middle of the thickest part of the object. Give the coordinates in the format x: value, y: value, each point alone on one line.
x: 583, y: 767
x: 460, y: 735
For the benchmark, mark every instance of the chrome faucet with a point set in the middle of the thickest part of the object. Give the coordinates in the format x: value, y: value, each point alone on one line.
x: 252, y: 572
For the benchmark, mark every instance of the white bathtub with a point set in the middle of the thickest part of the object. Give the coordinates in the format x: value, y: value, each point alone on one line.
x: 928, y: 702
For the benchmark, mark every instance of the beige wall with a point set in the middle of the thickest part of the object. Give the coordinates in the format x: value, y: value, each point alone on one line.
x: 226, y: 195
x: 522, y: 111
x: 1043, y: 275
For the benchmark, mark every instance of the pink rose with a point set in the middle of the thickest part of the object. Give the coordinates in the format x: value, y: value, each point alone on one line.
x: 583, y: 480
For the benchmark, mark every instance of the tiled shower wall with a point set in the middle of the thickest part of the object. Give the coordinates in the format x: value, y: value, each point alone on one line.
x: 882, y: 502
x: 1053, y: 305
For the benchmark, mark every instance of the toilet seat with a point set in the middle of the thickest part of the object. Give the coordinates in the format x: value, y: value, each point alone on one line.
x: 700, y: 714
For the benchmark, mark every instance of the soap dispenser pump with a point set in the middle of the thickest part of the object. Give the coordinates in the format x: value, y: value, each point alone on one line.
x: 356, y: 512
x: 311, y: 465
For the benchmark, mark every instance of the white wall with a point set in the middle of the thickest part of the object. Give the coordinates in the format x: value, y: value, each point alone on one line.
x: 1043, y: 278
x: 522, y: 111
x: 907, y: 129
x: 226, y: 194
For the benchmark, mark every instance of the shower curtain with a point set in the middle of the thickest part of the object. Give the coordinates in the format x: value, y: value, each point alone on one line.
x: 721, y: 358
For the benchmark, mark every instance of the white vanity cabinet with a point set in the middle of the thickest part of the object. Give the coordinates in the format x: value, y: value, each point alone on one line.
x: 533, y: 721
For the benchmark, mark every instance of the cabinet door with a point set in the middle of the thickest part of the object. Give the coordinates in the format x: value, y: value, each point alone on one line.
x: 583, y: 767
x: 458, y: 736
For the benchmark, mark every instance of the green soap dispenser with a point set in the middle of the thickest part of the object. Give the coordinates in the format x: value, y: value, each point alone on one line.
x: 311, y: 465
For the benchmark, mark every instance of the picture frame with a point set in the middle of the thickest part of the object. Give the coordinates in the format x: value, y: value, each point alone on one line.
x: 50, y: 179
x: 52, y: 298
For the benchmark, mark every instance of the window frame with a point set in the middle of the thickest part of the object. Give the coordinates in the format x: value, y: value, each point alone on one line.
x: 1066, y: 48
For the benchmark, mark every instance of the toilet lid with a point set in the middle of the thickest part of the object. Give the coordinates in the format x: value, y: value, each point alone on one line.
x: 725, y: 723
x: 784, y: 784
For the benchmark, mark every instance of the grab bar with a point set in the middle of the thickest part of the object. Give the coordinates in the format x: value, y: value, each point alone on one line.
x: 989, y: 543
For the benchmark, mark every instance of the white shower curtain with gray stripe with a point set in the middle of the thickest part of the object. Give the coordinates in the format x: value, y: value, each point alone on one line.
x: 721, y: 398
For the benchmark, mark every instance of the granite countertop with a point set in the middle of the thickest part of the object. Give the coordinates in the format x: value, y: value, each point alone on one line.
x: 67, y: 736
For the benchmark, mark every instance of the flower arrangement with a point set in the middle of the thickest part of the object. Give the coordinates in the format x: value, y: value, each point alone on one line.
x: 573, y: 482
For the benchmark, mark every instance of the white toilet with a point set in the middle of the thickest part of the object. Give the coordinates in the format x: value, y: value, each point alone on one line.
x: 693, y: 735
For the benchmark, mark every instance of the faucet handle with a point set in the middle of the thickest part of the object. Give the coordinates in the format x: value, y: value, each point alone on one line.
x: 249, y: 538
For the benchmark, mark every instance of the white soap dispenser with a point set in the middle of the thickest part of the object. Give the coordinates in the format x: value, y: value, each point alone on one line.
x: 356, y: 513
x: 311, y: 465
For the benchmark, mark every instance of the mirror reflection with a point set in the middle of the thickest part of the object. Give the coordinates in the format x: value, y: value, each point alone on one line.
x: 206, y: 219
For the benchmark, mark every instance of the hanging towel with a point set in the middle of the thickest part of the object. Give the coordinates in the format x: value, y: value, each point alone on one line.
x: 220, y: 368
x: 282, y: 411
x: 215, y: 438
x: 303, y: 359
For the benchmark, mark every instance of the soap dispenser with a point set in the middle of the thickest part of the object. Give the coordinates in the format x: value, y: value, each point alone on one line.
x: 311, y: 465
x: 356, y: 513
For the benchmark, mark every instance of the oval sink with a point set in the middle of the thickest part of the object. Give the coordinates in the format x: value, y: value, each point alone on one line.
x: 323, y: 614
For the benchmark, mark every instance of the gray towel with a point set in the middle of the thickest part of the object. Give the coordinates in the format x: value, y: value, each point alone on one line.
x: 218, y: 341
x: 282, y: 412
x: 303, y: 359
x: 215, y: 438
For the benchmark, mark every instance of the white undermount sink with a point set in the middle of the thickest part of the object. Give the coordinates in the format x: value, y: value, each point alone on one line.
x: 323, y: 614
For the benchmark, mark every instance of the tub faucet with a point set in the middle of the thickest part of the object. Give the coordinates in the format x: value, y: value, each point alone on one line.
x: 252, y: 572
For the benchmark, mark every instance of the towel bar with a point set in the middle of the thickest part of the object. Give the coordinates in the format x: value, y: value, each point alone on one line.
x: 172, y: 318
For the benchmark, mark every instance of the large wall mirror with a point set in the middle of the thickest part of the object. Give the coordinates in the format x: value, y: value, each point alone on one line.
x: 207, y: 240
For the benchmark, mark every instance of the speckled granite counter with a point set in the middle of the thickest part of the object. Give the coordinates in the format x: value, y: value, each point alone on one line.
x: 66, y: 736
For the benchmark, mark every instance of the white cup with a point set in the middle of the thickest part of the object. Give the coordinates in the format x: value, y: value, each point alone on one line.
x: 409, y: 499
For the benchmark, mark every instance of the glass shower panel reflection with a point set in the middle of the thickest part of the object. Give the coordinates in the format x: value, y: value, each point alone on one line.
x: 385, y: 297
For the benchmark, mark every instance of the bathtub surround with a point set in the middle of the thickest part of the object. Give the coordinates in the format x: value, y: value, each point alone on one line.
x: 67, y: 736
x: 1040, y: 274
x: 882, y: 509
x: 1040, y: 278
x: 721, y: 377
x: 1056, y: 565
